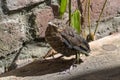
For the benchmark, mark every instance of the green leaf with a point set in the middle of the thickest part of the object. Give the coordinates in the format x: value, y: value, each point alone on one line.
x: 76, y: 21
x: 63, y: 5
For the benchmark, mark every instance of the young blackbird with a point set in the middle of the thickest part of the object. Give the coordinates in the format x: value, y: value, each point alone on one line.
x: 65, y: 40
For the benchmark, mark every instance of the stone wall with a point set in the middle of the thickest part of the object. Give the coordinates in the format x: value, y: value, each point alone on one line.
x: 23, y: 23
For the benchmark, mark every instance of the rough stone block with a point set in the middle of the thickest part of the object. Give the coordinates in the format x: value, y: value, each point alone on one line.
x: 11, y: 37
x: 43, y: 16
x: 16, y: 4
x: 111, y: 9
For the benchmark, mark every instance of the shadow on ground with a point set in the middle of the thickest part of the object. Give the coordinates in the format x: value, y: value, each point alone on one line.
x: 38, y: 68
x: 104, y: 74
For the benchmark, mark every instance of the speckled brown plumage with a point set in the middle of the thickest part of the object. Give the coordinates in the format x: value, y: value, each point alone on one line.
x: 65, y: 40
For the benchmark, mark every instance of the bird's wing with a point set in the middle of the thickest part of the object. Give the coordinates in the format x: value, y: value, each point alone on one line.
x: 72, y: 37
x: 75, y: 41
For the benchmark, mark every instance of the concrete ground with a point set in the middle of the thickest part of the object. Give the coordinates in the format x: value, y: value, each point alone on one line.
x: 102, y: 64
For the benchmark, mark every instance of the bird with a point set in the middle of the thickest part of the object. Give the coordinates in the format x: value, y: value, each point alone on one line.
x: 65, y: 40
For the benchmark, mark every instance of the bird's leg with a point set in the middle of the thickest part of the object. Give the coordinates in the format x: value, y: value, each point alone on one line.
x: 76, y: 61
x: 51, y: 52
x: 77, y: 58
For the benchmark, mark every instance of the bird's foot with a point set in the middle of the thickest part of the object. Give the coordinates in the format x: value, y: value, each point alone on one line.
x: 65, y: 72
x: 72, y: 67
x: 77, y: 61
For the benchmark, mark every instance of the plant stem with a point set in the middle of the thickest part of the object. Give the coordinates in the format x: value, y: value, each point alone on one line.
x: 85, y: 8
x: 84, y: 16
x: 89, y: 24
x: 100, y: 17
x: 69, y: 12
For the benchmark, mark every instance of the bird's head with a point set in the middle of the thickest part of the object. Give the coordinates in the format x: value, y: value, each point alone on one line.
x: 56, y: 25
